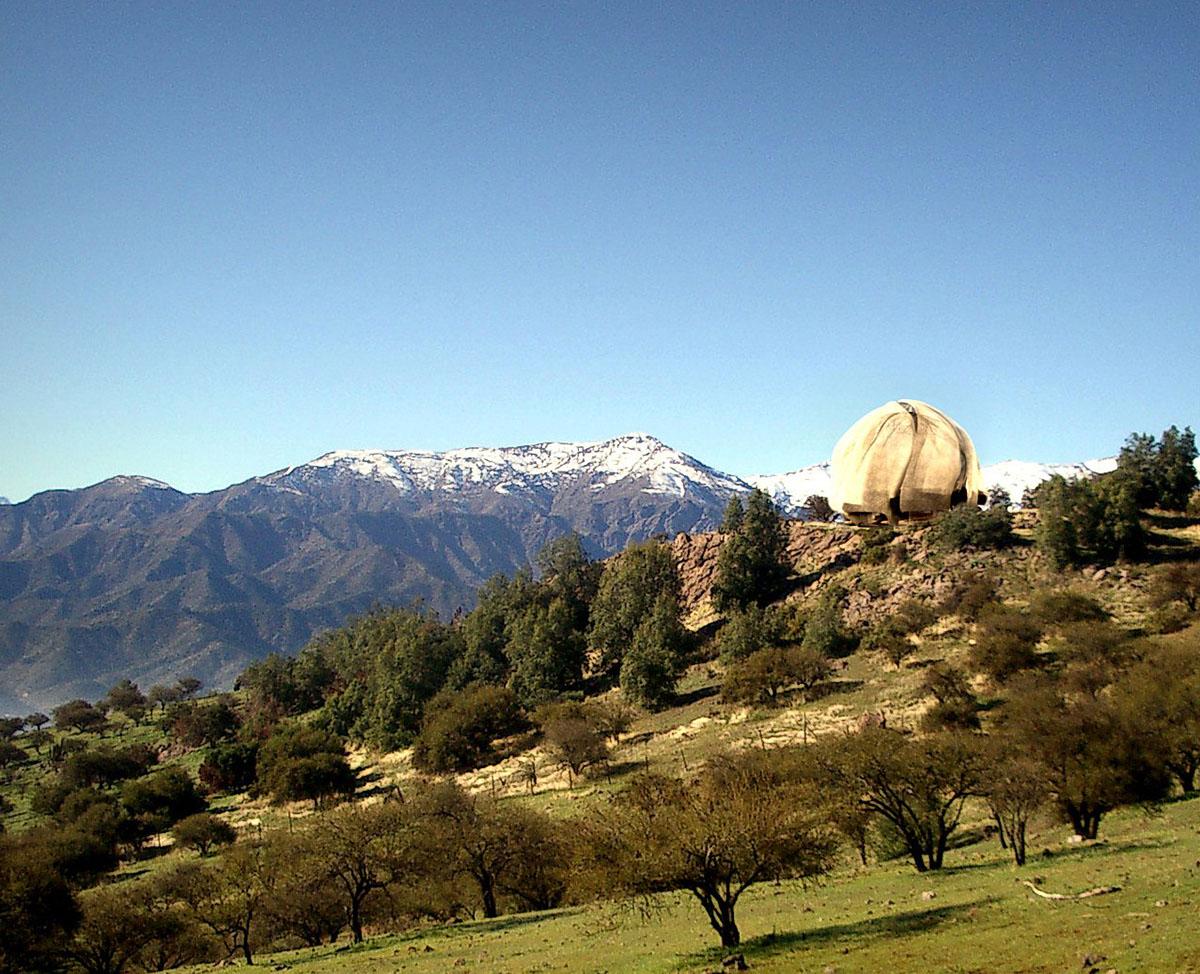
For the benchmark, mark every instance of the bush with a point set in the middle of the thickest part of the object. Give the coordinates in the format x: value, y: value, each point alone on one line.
x: 876, y: 541
x: 890, y: 637
x: 229, y: 767
x: 747, y: 631
x: 762, y: 676
x: 1006, y: 644
x: 304, y: 763
x: 971, y: 594
x: 968, y: 527
x: 1177, y: 583
x: 459, y: 728
x: 825, y: 631
x: 1064, y: 606
x: 202, y: 831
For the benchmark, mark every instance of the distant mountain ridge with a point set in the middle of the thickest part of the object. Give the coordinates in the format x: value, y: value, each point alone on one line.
x: 130, y: 577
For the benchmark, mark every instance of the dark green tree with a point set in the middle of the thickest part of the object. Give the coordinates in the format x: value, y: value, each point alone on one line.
x: 630, y: 587
x: 655, y: 659
x: 1176, y: 476
x: 545, y: 652
x: 752, y: 564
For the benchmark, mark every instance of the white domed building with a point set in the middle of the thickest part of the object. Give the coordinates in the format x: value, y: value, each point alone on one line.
x: 905, y: 460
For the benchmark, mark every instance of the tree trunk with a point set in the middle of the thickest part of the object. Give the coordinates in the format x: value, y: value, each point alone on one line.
x: 999, y: 828
x: 356, y: 920
x: 487, y: 889
x: 730, y: 935
x: 918, y: 855
x: 1018, y: 843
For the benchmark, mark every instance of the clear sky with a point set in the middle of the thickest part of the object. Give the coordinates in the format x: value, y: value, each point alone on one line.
x: 236, y: 236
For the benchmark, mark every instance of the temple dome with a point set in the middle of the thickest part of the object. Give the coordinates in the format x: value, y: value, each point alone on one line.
x: 905, y: 459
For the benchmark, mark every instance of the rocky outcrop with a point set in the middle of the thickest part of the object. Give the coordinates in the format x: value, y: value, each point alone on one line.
x: 814, y: 550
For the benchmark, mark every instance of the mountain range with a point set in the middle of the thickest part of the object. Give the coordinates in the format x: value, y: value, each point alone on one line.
x: 131, y: 577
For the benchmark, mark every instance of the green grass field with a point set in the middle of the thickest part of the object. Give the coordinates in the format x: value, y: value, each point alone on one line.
x: 974, y: 916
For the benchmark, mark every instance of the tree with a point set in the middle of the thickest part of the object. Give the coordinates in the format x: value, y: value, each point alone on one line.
x: 818, y: 508
x: 202, y: 831
x: 127, y: 699
x: 1178, y: 582
x: 229, y: 767
x: 546, y: 652
x: 37, y: 720
x: 1161, y: 473
x: 1160, y: 695
x: 918, y: 786
x: 78, y: 715
x: 752, y: 564
x: 955, y: 705
x: 747, y: 631
x: 487, y: 842
x: 1092, y: 757
x: 762, y: 676
x: 632, y: 584
x: 114, y: 931
x: 188, y: 687
x: 1089, y: 521
x: 575, y: 743
x: 304, y: 902
x: 734, y: 515
x: 459, y: 727
x: 364, y: 849
x: 734, y: 826
x: 10, y: 755
x: 300, y: 762
x: 159, y: 696
x: 1015, y: 788
x: 38, y: 911
x: 159, y: 800
x: 485, y: 630
x: 211, y: 722
x: 825, y: 631
x: 231, y: 898
x: 1006, y: 643
x: 654, y: 661
x: 568, y: 573
x: 397, y: 661
x: 103, y: 766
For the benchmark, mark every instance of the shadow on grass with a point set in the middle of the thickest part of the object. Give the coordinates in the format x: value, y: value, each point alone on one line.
x: 893, y: 925
x: 694, y: 696
x: 827, y: 689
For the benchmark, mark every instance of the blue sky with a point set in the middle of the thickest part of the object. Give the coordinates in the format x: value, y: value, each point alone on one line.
x: 235, y: 236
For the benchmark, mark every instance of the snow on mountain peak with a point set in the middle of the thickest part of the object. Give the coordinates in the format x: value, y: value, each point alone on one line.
x: 538, y: 466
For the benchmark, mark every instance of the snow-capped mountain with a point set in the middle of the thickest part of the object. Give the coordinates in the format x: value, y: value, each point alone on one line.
x: 636, y: 459
x: 4, y: 500
x: 130, y: 577
x: 1018, y: 476
x: 791, y: 490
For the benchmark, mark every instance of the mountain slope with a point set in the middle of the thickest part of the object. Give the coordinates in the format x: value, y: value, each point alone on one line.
x: 131, y: 577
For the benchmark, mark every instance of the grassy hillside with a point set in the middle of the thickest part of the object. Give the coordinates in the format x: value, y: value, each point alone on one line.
x: 976, y: 915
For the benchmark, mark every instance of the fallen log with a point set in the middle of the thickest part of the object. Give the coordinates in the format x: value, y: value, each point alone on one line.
x: 1095, y: 891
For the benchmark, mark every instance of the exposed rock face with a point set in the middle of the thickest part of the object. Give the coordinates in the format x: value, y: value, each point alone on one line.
x: 812, y: 549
